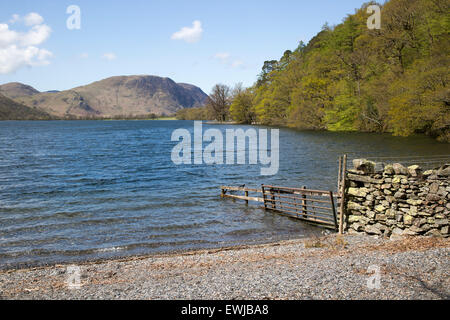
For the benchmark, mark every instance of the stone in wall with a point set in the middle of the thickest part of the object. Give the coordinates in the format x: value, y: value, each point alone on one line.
x: 396, y: 200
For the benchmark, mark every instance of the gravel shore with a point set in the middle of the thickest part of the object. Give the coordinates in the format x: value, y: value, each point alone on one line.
x: 329, y: 267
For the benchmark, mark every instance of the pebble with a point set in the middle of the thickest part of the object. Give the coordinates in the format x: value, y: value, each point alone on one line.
x: 285, y: 270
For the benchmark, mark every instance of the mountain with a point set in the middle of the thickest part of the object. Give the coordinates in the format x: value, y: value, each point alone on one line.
x: 11, y: 110
x: 15, y: 90
x: 119, y: 96
x: 196, y: 92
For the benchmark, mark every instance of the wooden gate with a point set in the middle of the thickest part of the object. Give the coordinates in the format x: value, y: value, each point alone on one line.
x: 313, y: 206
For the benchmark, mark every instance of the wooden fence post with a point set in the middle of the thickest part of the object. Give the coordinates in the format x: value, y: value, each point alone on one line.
x: 334, y: 211
x: 272, y: 197
x: 342, y: 191
x: 339, y: 175
x: 264, y: 196
x: 304, y: 208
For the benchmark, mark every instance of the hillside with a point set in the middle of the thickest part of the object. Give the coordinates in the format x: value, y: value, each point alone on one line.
x: 15, y: 90
x: 11, y: 110
x: 119, y: 96
x: 350, y: 78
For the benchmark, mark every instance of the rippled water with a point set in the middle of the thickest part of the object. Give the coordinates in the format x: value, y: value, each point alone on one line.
x: 77, y: 190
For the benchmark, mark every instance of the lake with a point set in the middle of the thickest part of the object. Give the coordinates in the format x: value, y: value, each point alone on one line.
x: 78, y: 190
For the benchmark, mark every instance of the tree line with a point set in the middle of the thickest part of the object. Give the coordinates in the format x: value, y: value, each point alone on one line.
x: 350, y: 78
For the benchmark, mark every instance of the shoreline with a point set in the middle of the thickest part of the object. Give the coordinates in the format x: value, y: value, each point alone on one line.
x: 329, y: 267
x: 168, y: 253
x: 208, y: 122
x: 99, y: 119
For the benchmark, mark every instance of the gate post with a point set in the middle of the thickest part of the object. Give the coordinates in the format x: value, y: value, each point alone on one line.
x: 334, y: 211
x: 264, y: 196
x: 342, y: 192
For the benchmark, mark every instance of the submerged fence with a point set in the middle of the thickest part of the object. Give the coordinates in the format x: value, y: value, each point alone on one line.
x: 313, y: 206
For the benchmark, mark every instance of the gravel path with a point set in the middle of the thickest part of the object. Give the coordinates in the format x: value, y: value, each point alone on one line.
x: 321, y: 268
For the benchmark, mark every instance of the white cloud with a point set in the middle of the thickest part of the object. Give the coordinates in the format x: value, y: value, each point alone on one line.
x: 14, y: 57
x: 189, y: 34
x: 33, y: 19
x: 36, y: 36
x: 109, y: 56
x: 7, y: 37
x: 19, y: 49
x: 84, y: 55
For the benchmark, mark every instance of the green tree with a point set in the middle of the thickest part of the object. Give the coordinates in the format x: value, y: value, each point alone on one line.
x: 242, y: 109
x: 351, y: 78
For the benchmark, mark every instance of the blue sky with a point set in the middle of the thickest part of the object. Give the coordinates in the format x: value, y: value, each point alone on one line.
x: 228, y: 43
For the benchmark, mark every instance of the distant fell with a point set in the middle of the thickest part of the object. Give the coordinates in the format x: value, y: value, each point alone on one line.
x: 119, y: 96
x: 15, y: 90
x: 11, y: 110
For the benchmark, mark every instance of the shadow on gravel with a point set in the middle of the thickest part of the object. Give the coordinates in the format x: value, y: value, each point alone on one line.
x: 437, y: 290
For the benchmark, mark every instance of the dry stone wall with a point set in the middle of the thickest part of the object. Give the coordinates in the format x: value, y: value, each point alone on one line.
x: 390, y: 200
